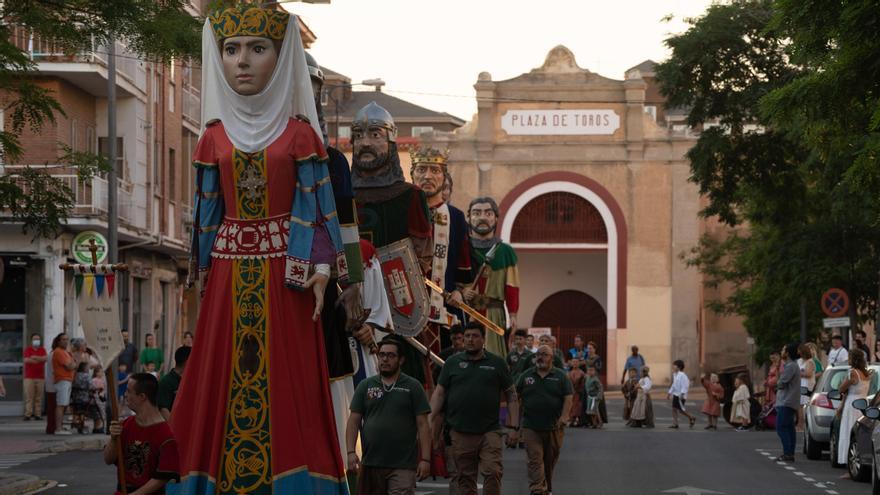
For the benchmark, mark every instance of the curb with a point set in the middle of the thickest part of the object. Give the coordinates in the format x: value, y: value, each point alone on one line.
x: 19, y: 484
x: 72, y: 445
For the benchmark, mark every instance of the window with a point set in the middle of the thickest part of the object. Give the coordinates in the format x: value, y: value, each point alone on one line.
x: 652, y: 111
x: 73, y: 136
x: 171, y: 97
x: 323, y: 97
x: 90, y: 139
x: 344, y: 132
x: 418, y: 130
x: 559, y: 217
x: 172, y: 175
x: 104, y: 149
x: 138, y: 293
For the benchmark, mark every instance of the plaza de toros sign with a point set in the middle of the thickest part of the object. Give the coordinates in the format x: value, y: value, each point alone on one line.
x: 562, y: 122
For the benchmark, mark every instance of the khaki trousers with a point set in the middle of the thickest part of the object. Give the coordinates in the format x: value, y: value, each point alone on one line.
x: 33, y: 397
x: 451, y: 469
x: 542, y: 450
x: 475, y: 453
x: 386, y: 481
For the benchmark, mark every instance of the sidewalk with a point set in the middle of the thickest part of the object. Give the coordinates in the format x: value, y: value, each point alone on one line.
x: 25, y: 437
x: 18, y: 484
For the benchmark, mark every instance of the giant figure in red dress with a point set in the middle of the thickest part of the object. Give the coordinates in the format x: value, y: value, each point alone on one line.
x: 253, y: 414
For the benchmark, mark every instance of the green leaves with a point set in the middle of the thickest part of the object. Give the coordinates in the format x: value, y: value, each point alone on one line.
x: 792, y: 89
x: 157, y: 30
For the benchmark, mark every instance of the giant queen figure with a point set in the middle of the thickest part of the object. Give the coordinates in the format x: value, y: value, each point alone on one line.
x: 254, y: 412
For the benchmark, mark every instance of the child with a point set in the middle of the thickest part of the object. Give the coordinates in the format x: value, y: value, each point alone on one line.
x: 678, y: 393
x: 630, y: 391
x: 151, y: 369
x: 740, y: 412
x: 99, y: 385
x: 576, y: 375
x: 122, y: 381
x: 593, y: 389
x: 712, y: 404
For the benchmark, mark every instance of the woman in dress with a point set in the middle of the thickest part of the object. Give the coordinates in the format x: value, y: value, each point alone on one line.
x: 855, y: 386
x: 254, y: 413
x: 808, y: 379
x: 712, y: 404
x: 772, y: 378
x: 630, y: 391
x: 576, y: 375
x: 643, y: 411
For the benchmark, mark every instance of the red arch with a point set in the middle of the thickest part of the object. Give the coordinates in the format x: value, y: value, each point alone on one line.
x: 616, y: 213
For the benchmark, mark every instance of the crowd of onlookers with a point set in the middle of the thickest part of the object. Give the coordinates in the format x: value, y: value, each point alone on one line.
x: 68, y: 380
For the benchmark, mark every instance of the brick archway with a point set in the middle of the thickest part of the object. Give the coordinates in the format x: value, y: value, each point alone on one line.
x: 520, y: 196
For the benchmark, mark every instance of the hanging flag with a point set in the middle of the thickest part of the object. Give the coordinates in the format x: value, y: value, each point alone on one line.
x: 99, y: 284
x: 89, y: 283
x: 78, y: 283
x: 111, y: 281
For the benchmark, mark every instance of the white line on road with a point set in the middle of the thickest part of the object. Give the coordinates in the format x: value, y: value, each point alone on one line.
x: 798, y: 473
x: 809, y: 480
x: 12, y: 460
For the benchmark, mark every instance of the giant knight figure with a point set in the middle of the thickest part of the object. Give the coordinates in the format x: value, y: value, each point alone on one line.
x: 254, y: 412
x: 496, y: 286
x: 389, y: 208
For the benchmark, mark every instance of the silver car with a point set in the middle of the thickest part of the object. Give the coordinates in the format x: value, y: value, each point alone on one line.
x: 821, y: 410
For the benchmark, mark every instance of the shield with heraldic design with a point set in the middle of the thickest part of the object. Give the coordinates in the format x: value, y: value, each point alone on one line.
x: 405, y: 286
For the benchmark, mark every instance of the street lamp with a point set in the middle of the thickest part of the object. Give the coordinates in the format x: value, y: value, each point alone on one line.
x: 376, y: 83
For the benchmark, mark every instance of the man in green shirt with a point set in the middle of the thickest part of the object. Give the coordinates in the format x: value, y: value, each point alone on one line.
x: 391, y: 411
x: 471, y: 387
x: 546, y: 395
x: 529, y: 362
x: 169, y: 383
x: 519, y: 351
x: 151, y: 354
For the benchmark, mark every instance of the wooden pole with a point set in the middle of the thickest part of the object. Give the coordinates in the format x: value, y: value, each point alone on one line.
x: 114, y: 412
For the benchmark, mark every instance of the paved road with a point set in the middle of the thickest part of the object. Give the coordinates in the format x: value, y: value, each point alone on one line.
x: 615, y: 460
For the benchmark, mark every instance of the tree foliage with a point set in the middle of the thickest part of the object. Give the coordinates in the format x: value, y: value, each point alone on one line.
x: 157, y: 30
x: 787, y: 155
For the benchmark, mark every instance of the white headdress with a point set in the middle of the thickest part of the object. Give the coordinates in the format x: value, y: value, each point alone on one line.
x: 254, y: 122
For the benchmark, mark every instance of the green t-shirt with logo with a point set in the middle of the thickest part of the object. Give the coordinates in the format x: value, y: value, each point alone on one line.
x: 542, y: 398
x: 529, y: 362
x: 389, y: 434
x: 514, y: 358
x: 473, y: 391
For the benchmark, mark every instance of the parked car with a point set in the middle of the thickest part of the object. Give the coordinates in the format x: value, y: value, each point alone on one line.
x: 821, y: 410
x: 858, y: 459
x: 873, y: 413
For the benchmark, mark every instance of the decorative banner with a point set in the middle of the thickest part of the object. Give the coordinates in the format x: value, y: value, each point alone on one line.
x: 99, y: 315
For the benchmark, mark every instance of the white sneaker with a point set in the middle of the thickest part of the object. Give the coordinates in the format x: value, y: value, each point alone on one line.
x: 63, y: 432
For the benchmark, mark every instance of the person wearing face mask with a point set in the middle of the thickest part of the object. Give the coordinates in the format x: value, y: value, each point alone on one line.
x: 496, y: 292
x: 266, y: 235
x: 35, y: 358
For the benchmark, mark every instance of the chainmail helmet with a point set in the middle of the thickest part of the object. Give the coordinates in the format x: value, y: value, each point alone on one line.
x: 373, y: 115
x: 317, y: 76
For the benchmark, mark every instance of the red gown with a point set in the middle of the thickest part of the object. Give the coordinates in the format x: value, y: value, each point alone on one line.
x: 253, y: 414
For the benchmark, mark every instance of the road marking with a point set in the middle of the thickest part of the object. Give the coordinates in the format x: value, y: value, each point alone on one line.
x: 831, y: 492
x: 799, y: 473
x: 8, y: 461
x: 790, y: 468
x: 809, y: 480
x: 820, y: 485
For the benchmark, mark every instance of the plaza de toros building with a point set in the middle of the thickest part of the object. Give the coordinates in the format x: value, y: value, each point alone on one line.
x: 592, y: 180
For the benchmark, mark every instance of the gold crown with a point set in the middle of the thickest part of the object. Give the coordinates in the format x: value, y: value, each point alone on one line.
x: 429, y: 155
x: 249, y: 21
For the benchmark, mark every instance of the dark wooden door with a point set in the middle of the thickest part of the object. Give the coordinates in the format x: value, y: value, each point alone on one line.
x: 570, y: 313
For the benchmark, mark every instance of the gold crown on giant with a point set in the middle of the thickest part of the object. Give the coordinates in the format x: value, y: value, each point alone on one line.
x: 249, y: 21
x: 430, y: 155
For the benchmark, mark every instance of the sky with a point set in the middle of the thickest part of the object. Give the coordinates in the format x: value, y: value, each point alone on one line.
x: 430, y: 52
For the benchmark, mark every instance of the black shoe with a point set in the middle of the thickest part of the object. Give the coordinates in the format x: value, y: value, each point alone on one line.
x: 27, y: 418
x: 38, y: 418
x: 674, y: 427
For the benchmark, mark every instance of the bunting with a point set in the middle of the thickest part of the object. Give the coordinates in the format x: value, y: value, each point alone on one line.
x: 111, y: 281
x: 99, y: 284
x: 78, y: 283
x: 88, y: 283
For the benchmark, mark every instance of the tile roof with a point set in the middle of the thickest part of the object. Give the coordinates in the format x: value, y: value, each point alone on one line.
x: 400, y: 109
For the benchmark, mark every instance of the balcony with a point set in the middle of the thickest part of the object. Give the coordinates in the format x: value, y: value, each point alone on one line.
x: 86, y: 70
x: 90, y: 197
x: 192, y: 107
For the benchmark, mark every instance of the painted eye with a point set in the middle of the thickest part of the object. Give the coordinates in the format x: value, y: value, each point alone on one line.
x: 230, y: 50
x: 259, y: 49
x: 375, y: 135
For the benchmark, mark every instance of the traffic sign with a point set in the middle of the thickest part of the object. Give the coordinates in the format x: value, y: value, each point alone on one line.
x: 81, y: 251
x: 836, y: 322
x: 835, y: 303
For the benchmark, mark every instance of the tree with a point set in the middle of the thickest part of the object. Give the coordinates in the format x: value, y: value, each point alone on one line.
x: 802, y: 223
x: 158, y: 30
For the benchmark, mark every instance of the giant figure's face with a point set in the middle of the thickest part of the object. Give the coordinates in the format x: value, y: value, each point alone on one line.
x: 430, y: 177
x: 482, y: 218
x: 248, y: 63
x: 370, y: 148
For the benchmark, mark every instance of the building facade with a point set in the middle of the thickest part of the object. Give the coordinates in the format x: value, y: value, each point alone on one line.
x: 592, y: 182
x: 158, y: 122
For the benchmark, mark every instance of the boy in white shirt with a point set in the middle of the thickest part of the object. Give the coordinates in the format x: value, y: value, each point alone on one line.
x: 678, y: 393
